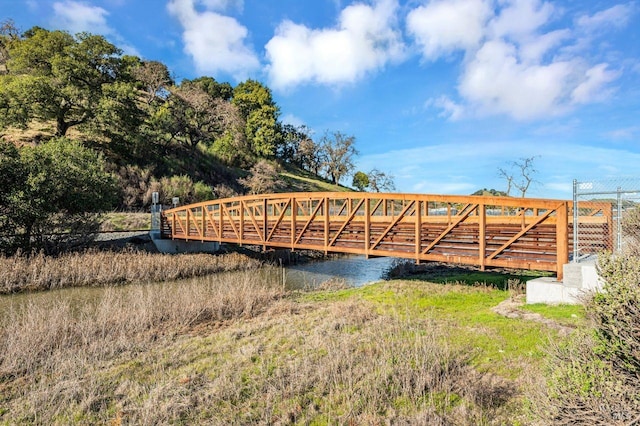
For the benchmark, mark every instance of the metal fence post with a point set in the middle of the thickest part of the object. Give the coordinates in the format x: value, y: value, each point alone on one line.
x: 619, y: 220
x: 576, y: 223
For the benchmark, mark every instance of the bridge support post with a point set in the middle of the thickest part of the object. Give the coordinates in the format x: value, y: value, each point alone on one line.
x: 418, y: 242
x: 562, y: 238
x: 482, y: 239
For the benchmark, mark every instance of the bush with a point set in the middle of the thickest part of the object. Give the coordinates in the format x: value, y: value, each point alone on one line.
x: 52, y: 195
x: 631, y: 231
x: 185, y: 189
x: 594, y: 378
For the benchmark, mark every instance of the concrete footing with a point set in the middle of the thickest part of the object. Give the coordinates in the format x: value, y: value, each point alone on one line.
x: 579, y: 279
x: 179, y: 246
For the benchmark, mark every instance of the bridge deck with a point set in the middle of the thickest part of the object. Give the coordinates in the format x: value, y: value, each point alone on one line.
x: 483, y: 231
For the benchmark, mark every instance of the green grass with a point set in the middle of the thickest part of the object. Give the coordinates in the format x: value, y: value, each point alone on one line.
x: 489, y: 278
x: 571, y: 315
x: 309, y: 183
x: 501, y: 345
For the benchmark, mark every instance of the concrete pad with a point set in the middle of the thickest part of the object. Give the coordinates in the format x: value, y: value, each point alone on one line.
x: 579, y: 279
x: 179, y: 246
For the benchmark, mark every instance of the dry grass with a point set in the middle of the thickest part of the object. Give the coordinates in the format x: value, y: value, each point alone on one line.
x: 94, y: 268
x: 160, y: 354
x: 52, y: 354
x: 125, y: 222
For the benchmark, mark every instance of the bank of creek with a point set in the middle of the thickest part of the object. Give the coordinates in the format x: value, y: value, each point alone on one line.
x: 342, y: 270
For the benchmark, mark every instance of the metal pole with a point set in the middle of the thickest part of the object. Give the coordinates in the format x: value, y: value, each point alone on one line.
x: 619, y: 220
x: 575, y: 221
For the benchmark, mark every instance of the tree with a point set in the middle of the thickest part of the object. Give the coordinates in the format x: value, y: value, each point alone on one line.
x: 338, y: 150
x: 55, y: 76
x: 260, y: 112
x: 380, y: 181
x: 216, y: 90
x: 194, y: 113
x: 292, y: 138
x: 263, y: 178
x: 494, y: 192
x: 309, y: 155
x: 360, y: 181
x: 154, y: 79
x: 61, y: 188
x: 519, y: 174
x: 12, y: 178
x: 8, y: 34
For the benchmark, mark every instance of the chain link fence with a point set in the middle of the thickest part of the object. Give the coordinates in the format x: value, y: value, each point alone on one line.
x: 606, y: 216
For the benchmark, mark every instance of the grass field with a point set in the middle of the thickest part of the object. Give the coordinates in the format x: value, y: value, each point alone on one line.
x: 242, y: 351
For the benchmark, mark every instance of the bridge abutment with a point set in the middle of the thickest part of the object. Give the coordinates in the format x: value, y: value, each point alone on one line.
x: 579, y: 279
x: 182, y: 246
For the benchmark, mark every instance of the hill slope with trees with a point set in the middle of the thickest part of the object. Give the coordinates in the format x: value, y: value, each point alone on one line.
x: 136, y: 130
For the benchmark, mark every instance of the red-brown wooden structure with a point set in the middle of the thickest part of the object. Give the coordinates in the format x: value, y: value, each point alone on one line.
x: 522, y: 233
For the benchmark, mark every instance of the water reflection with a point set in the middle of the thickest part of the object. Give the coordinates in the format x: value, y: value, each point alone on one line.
x: 354, y: 270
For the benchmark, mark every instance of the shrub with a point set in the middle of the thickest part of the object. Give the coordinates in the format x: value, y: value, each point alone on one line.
x: 52, y: 195
x: 594, y: 378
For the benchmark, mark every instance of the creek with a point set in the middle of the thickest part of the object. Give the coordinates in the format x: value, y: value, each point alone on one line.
x: 352, y: 270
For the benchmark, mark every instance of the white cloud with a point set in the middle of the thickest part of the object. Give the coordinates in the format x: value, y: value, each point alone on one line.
x: 77, y: 17
x: 593, y: 87
x: 450, y: 109
x: 617, y: 16
x: 443, y: 26
x: 495, y: 81
x: 292, y: 119
x: 521, y: 18
x: 627, y: 133
x: 511, y: 64
x: 217, y: 43
x: 534, y: 49
x: 364, y: 40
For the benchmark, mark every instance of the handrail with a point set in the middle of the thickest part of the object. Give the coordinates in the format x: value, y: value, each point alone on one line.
x: 527, y: 233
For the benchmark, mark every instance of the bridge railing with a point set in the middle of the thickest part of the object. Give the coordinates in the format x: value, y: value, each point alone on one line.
x: 483, y: 231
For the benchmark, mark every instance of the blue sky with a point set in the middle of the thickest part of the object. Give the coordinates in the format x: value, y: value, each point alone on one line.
x: 438, y: 93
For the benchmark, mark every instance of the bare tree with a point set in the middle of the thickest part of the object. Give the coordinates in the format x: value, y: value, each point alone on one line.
x: 508, y: 176
x: 380, y: 181
x: 527, y: 173
x: 8, y: 34
x: 309, y: 155
x: 520, y: 174
x: 155, y: 79
x: 263, y: 178
x: 339, y: 151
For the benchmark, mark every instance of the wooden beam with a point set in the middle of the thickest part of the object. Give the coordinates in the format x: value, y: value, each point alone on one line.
x: 520, y: 234
x: 482, y: 236
x: 391, y: 225
x: 345, y: 224
x: 450, y: 227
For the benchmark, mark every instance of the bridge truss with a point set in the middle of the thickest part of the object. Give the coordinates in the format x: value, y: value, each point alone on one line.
x: 507, y: 232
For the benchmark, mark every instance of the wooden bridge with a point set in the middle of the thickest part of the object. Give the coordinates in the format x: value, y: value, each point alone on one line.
x: 521, y: 233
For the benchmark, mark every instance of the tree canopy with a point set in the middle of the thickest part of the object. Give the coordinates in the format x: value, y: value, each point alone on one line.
x: 90, y: 129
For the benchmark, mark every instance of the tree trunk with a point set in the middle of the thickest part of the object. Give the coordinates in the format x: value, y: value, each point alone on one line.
x: 61, y: 126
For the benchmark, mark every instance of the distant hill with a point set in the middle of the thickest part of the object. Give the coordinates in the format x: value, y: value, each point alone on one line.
x: 490, y: 192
